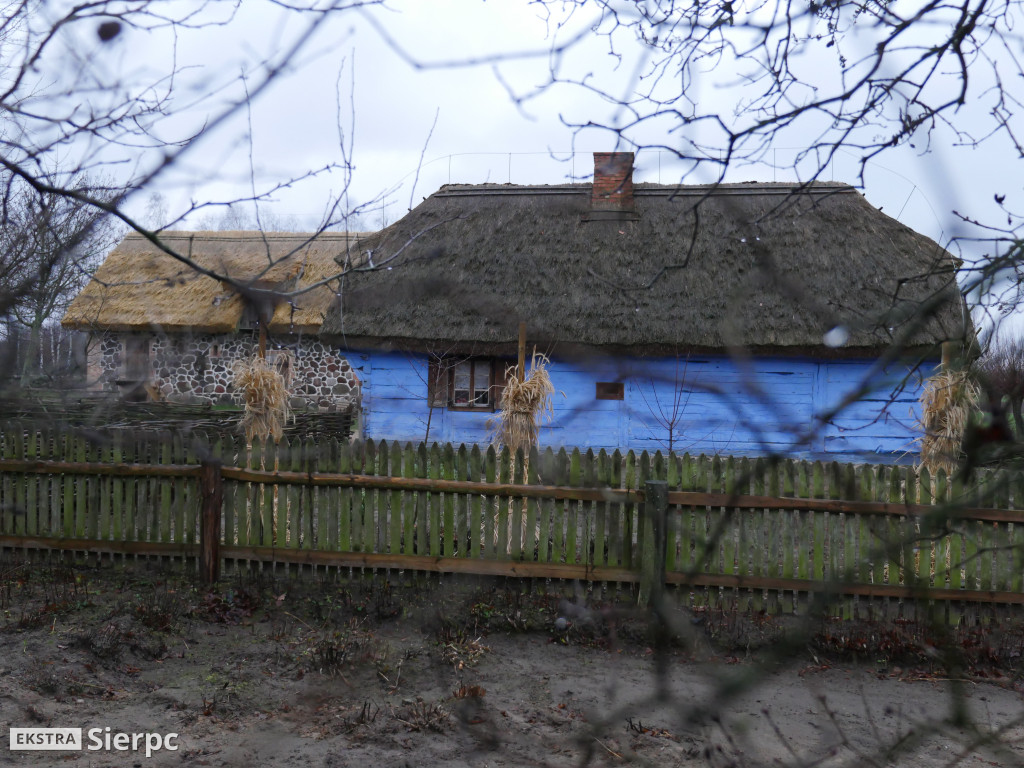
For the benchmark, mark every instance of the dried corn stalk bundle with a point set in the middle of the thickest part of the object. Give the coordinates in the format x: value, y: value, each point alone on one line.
x: 947, y: 402
x: 524, y: 405
x: 266, y: 399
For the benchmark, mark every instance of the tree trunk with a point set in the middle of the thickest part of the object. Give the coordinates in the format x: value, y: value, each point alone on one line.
x: 31, y: 352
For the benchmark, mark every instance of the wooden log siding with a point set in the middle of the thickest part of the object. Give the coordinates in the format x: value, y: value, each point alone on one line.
x: 767, y: 534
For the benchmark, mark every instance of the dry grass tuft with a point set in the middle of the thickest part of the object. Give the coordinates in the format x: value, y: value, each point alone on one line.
x: 266, y: 399
x: 525, y: 405
x: 947, y: 402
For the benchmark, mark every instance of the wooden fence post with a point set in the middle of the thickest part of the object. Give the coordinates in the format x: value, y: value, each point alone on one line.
x: 652, y: 547
x: 211, y: 484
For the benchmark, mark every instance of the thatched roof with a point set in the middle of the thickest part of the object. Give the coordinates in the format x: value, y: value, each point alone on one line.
x: 769, y: 267
x: 139, y: 287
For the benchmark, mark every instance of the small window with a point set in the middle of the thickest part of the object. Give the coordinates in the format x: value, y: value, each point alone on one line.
x: 465, y: 383
x: 609, y: 390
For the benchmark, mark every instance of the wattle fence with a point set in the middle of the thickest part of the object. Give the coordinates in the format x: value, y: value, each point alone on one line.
x: 769, y: 535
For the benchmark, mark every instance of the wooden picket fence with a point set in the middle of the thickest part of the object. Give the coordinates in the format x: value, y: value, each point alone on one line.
x: 770, y: 535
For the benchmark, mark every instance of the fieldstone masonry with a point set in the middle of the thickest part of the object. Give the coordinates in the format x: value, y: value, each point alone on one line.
x: 201, y: 368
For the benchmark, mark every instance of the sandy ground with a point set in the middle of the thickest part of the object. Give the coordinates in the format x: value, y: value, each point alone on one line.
x: 315, y: 673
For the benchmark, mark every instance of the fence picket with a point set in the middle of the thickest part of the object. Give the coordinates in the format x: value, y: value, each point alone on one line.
x: 459, y: 503
x: 573, y: 522
x: 532, y: 530
x: 616, y: 514
x: 476, y: 503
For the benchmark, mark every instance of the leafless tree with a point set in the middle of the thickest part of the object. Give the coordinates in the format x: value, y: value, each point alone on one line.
x: 49, y: 245
x: 1002, y: 371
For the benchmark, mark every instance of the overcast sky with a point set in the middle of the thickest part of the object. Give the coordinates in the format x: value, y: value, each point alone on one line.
x: 354, y: 83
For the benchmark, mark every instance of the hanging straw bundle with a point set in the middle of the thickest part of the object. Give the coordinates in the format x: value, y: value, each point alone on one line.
x: 947, y: 402
x: 524, y: 405
x: 266, y: 399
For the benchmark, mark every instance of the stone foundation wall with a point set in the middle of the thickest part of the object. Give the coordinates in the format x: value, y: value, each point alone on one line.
x: 200, y: 368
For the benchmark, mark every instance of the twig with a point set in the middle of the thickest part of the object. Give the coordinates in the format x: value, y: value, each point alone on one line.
x: 608, y: 749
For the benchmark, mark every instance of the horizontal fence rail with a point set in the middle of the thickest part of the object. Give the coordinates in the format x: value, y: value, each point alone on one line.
x: 770, y: 533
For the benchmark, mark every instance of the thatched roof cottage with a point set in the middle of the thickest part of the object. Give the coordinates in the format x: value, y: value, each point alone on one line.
x: 735, y: 318
x: 159, y: 326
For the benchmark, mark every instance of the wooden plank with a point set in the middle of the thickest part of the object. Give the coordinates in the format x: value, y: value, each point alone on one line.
x: 82, y: 492
x: 616, y: 512
x: 222, y: 450
x: 631, y: 511
x: 851, y: 529
x: 162, y: 529
x: 515, y: 507
x: 117, y: 495
x: 8, y: 483
x: 1002, y: 539
x: 833, y: 526
x: 96, y: 468
x: 531, y: 531
x: 439, y: 533
x: 775, y: 524
x: 212, y: 487
x: 20, y: 484
x: 732, y: 522
x: 675, y: 515
x: 805, y: 529
x: 289, y: 516
x: 244, y: 497
x: 490, y: 505
x: 503, y: 518
x: 340, y: 511
x: 758, y: 530
x: 414, y: 510
x: 226, y: 453
x: 922, y: 544
x: 461, y: 504
x: 31, y: 503
x: 876, y: 528
x: 574, y: 542
x: 389, y: 460
x: 894, y: 530
x: 818, y: 567
x: 98, y: 546
x: 373, y: 500
x: 443, y: 465
x: 790, y: 524
x: 428, y: 534
x: 477, y: 532
x: 267, y: 496
x: 308, y: 506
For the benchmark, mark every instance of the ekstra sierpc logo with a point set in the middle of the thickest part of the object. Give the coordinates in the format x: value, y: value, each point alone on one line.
x: 105, y: 739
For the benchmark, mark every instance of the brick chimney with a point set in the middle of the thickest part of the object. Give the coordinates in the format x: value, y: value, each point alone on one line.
x: 613, y: 182
x: 611, y: 198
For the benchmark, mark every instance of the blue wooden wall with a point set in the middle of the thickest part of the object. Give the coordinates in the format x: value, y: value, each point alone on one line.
x: 712, y: 404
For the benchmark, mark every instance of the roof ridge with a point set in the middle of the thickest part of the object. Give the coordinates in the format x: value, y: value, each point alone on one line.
x: 651, y: 188
x: 248, y: 234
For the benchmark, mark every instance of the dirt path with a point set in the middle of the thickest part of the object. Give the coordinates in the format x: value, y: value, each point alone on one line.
x: 330, y: 675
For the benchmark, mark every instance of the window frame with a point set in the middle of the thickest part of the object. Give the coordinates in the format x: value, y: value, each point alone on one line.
x: 441, y: 382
